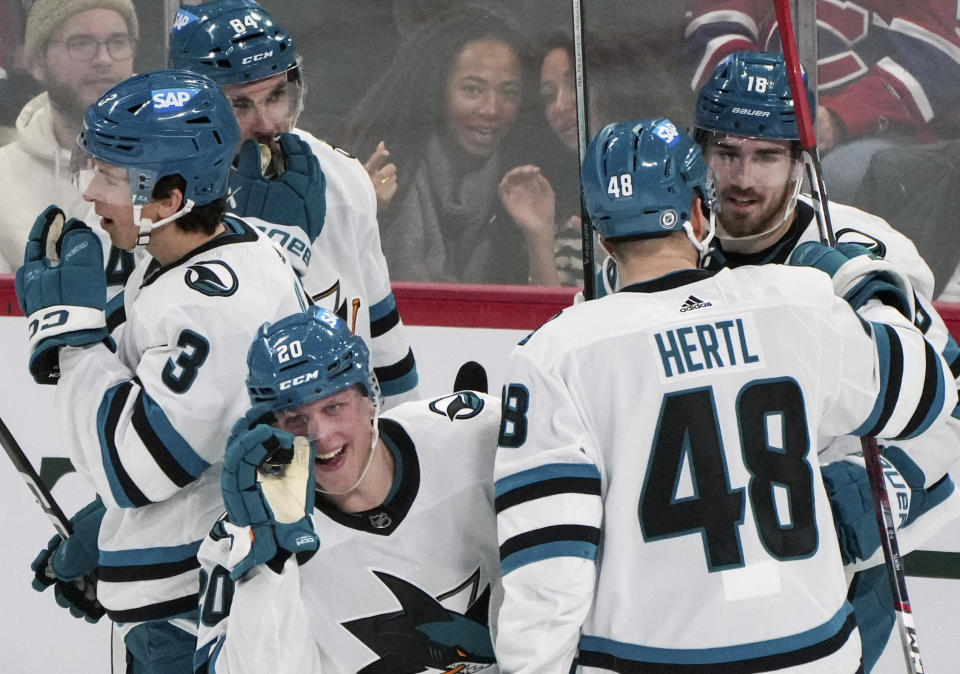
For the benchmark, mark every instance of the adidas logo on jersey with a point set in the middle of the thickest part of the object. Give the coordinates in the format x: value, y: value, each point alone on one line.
x: 694, y: 303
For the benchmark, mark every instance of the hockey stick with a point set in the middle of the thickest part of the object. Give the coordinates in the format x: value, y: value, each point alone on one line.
x: 589, y: 273
x: 40, y: 492
x: 871, y: 453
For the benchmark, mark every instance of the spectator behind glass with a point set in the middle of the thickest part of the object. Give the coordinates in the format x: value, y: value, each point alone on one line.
x: 442, y: 125
x: 76, y: 50
x: 626, y: 80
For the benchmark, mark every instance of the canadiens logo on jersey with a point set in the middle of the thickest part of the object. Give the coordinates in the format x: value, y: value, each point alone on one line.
x: 423, y: 636
x: 212, y: 277
x: 460, y: 405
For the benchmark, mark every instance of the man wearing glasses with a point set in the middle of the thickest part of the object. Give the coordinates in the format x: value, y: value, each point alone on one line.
x: 76, y: 49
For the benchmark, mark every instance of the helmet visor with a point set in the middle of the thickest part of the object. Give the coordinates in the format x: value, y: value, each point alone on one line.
x: 267, y: 107
x: 749, y: 163
x: 99, y: 181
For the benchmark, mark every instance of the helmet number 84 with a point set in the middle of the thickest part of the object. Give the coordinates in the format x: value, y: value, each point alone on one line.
x: 620, y: 186
x: 240, y: 27
x: 758, y: 84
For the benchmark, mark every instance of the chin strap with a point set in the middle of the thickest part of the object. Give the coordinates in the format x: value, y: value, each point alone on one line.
x: 787, y: 211
x: 702, y: 246
x: 146, y: 225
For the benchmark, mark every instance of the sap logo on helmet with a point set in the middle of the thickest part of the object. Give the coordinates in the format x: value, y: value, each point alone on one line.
x: 299, y: 380
x: 164, y: 99
x: 751, y: 112
x: 247, y: 60
x: 667, y: 132
x: 182, y: 19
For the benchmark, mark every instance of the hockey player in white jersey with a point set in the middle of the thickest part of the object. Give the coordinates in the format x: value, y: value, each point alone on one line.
x: 327, y: 226
x: 407, y: 566
x: 147, y: 418
x: 659, y: 499
x: 746, y: 127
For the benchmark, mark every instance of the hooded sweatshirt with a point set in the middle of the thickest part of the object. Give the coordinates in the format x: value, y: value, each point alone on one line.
x: 34, y: 173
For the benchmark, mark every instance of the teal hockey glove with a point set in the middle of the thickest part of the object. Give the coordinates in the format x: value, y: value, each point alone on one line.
x: 62, y: 290
x: 70, y: 565
x: 296, y: 196
x: 852, y: 503
x: 268, y: 486
x: 858, y: 275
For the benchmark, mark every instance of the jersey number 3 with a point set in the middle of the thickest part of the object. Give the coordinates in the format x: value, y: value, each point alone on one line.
x: 688, y: 434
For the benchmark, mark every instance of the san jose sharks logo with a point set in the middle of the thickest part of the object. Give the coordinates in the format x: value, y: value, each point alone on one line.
x: 460, y: 405
x: 423, y: 636
x: 212, y: 277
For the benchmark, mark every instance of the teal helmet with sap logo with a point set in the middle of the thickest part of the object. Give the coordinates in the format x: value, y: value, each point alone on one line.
x: 164, y: 123
x: 639, y: 179
x: 305, y: 357
x: 749, y: 94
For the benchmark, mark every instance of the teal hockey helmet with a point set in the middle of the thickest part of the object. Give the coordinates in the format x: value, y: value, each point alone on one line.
x: 749, y: 94
x: 639, y: 179
x: 305, y: 357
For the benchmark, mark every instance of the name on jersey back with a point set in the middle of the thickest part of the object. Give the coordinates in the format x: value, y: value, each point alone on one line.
x: 697, y: 348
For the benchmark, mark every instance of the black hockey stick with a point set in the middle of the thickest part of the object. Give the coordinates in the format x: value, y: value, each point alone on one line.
x: 871, y: 453
x: 40, y: 492
x: 589, y: 272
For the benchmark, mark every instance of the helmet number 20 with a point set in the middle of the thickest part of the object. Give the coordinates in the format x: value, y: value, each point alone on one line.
x: 620, y: 186
x: 758, y: 84
x: 287, y: 351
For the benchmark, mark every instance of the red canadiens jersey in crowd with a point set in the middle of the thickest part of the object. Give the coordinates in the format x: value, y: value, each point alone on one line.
x: 883, y: 64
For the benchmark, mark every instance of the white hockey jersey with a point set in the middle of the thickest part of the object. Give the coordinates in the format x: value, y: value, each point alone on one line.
x: 149, y: 423
x: 658, y: 493
x: 344, y: 269
x: 399, y: 589
x: 925, y: 459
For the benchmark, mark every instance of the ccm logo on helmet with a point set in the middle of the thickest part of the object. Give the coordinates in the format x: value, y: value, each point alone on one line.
x: 750, y: 112
x: 298, y: 380
x: 171, y: 98
x: 257, y: 57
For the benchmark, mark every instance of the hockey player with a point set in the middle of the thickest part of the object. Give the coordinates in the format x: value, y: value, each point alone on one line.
x: 240, y: 47
x: 403, y: 517
x: 148, y: 418
x: 746, y: 128
x: 652, y: 539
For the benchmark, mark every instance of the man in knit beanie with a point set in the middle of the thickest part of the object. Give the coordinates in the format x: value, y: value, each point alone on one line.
x: 76, y: 49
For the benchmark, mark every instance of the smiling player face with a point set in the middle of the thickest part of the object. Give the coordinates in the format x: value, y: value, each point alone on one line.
x: 754, y: 179
x: 341, y: 431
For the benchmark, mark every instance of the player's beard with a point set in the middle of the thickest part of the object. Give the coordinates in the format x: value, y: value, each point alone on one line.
x: 760, y: 220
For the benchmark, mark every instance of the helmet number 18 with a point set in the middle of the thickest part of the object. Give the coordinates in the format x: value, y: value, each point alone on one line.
x: 758, y: 84
x: 620, y: 186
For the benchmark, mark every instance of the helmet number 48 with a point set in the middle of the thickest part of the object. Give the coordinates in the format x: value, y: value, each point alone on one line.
x: 620, y: 186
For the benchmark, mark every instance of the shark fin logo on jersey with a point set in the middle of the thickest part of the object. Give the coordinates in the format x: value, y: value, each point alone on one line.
x: 165, y: 99
x: 212, y: 277
x: 460, y: 405
x: 424, y: 634
x: 182, y: 20
x: 874, y: 245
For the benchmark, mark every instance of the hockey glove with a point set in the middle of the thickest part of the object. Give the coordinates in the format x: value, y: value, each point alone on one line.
x: 70, y: 565
x: 268, y: 486
x: 62, y: 290
x: 858, y: 275
x: 852, y: 503
x: 297, y: 196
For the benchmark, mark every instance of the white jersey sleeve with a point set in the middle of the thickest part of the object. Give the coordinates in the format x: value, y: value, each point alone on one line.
x: 638, y: 433
x: 344, y: 269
